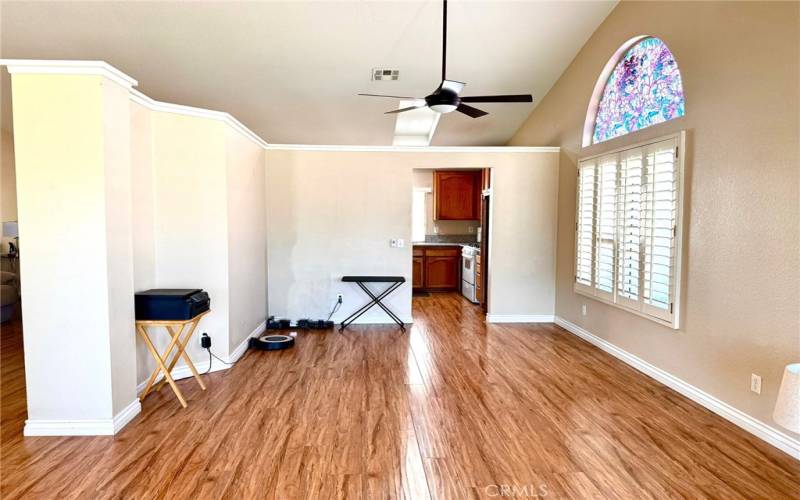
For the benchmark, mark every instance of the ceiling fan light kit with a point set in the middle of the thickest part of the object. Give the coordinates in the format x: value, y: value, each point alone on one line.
x: 447, y: 98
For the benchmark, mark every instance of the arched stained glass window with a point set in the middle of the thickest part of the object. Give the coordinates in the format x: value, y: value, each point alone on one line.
x: 643, y: 88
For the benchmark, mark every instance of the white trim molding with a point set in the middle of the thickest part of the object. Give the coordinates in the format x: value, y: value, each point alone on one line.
x: 55, y: 67
x: 414, y: 149
x: 180, y: 109
x: 769, y: 434
x: 94, y: 427
x: 519, y: 318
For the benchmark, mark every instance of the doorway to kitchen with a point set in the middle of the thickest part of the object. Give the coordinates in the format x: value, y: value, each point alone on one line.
x: 450, y: 233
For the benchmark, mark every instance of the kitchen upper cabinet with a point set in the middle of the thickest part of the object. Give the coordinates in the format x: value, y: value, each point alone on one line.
x: 457, y: 194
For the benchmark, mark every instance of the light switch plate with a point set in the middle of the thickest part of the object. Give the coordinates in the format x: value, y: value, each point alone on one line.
x: 755, y: 383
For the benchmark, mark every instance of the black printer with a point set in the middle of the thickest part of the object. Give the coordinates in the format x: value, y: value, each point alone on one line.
x: 167, y: 304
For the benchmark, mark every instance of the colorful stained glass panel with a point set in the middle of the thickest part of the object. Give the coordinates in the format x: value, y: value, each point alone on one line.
x: 644, y: 89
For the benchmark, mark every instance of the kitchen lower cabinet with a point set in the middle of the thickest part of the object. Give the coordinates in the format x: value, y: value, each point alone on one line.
x: 437, y: 268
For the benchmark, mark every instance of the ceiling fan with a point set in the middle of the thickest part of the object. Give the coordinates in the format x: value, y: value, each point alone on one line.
x: 446, y: 98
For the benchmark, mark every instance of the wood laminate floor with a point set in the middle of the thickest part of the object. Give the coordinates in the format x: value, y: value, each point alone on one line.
x: 453, y: 409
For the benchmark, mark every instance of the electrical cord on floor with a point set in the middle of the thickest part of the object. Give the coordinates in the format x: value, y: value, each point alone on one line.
x: 336, y: 307
x: 210, y: 354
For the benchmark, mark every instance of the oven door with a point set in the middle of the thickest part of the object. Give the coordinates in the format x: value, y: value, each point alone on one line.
x: 468, y: 268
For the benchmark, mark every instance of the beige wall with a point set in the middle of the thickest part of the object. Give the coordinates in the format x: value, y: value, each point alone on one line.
x: 333, y: 213
x: 190, y: 206
x: 423, y: 178
x: 8, y: 178
x: 741, y: 312
x: 247, y: 237
x: 198, y: 196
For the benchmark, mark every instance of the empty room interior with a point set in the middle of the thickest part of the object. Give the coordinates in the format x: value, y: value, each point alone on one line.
x: 419, y: 249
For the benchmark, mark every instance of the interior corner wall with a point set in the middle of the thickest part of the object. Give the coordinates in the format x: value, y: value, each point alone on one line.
x: 333, y: 213
x: 144, y: 238
x: 247, y: 238
x: 741, y: 313
x: 199, y: 221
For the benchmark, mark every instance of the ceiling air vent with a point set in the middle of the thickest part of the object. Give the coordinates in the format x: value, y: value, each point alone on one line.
x: 380, y: 74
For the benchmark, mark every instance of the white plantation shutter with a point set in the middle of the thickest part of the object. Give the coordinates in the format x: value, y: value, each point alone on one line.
x: 584, y: 225
x: 627, y: 249
x: 629, y: 206
x: 660, y: 220
x: 606, y: 213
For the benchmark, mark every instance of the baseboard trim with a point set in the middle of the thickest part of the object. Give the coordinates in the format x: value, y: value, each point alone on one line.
x: 519, y: 318
x: 242, y: 347
x: 752, y: 425
x: 88, y: 427
x: 122, y: 418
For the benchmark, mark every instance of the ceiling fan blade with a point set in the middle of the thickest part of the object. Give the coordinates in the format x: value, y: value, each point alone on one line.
x: 401, y: 110
x: 499, y: 98
x: 452, y: 85
x: 392, y: 96
x: 470, y: 111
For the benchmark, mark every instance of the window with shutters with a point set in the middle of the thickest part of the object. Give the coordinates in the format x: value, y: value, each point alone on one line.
x: 628, y: 228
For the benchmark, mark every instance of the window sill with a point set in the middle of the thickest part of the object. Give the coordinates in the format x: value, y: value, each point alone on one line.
x: 578, y: 289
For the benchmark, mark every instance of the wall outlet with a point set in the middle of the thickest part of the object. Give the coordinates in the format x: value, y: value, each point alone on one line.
x: 397, y: 243
x: 205, y: 340
x: 401, y: 243
x: 583, y: 309
x: 755, y: 383
x: 393, y: 243
x: 471, y: 229
x: 435, y: 229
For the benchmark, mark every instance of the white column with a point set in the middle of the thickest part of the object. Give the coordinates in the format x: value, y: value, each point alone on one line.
x: 72, y: 139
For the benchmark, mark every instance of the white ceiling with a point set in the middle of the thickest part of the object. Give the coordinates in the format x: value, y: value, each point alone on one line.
x: 290, y: 71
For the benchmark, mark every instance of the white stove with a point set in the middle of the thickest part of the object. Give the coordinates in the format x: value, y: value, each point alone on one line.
x: 468, y: 254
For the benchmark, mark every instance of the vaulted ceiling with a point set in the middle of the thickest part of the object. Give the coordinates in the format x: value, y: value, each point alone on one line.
x: 290, y: 71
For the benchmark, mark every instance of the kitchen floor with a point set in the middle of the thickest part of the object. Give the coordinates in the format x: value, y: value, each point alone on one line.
x: 452, y: 409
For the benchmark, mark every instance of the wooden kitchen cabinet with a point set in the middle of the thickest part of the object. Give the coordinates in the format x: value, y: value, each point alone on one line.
x: 457, y: 194
x: 418, y: 274
x: 436, y: 268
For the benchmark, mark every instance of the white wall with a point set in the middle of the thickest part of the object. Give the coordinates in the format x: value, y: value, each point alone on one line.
x: 191, y: 221
x: 333, y: 213
x: 247, y: 237
x: 198, y: 193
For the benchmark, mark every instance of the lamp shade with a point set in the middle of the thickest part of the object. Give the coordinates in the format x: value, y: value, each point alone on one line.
x: 787, y: 407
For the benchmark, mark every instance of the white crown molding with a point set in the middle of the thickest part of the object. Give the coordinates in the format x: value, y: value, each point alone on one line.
x: 94, y: 427
x: 55, y: 67
x: 179, y: 109
x: 771, y: 435
x: 414, y: 149
x: 519, y: 318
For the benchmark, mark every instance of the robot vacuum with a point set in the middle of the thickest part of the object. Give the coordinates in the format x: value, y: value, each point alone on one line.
x: 271, y: 342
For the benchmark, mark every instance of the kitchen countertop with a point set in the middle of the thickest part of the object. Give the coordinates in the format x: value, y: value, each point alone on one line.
x: 439, y: 244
